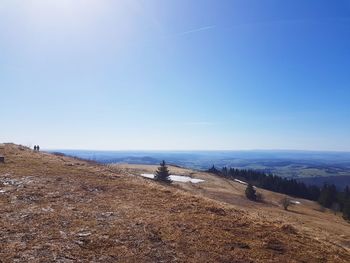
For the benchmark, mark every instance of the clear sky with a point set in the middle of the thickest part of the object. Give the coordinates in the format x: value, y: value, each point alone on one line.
x: 179, y: 74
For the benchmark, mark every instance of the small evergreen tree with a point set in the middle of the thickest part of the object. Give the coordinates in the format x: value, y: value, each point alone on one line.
x: 162, y: 174
x: 250, y: 192
x: 213, y: 170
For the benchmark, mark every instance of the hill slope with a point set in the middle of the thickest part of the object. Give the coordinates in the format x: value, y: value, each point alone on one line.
x: 307, y: 216
x: 55, y: 208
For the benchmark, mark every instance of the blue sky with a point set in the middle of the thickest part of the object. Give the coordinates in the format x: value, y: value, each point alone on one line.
x: 171, y: 75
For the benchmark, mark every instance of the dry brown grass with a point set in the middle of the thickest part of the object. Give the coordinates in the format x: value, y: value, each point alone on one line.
x: 60, y: 209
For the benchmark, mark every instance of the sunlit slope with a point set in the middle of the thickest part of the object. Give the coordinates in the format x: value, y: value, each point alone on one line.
x: 307, y: 216
x: 56, y: 208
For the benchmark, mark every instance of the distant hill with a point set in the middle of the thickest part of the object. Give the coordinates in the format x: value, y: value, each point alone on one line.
x: 133, y: 160
x: 339, y: 181
x: 293, y: 164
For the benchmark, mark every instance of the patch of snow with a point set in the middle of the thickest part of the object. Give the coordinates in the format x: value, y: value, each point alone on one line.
x: 185, y: 179
x: 84, y: 234
x: 177, y: 178
x: 242, y: 182
x: 16, y: 182
x: 151, y: 176
x: 2, y: 191
x: 11, y: 182
x: 239, y: 181
x: 295, y: 202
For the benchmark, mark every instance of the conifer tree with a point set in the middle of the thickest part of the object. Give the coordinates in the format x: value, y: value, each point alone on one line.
x: 213, y: 170
x: 328, y: 195
x: 346, y: 210
x: 162, y: 174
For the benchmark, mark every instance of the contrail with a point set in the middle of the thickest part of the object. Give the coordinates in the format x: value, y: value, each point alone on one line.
x: 195, y: 30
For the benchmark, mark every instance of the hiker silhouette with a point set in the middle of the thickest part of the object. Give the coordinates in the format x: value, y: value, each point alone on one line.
x: 35, y: 148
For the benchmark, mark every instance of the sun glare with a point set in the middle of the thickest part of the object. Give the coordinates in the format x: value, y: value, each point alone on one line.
x: 69, y: 12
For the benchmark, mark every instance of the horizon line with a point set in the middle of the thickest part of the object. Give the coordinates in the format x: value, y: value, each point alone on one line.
x: 198, y: 150
x: 183, y: 150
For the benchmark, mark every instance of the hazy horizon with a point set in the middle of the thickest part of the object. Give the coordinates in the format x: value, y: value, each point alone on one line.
x: 175, y: 75
x: 194, y: 150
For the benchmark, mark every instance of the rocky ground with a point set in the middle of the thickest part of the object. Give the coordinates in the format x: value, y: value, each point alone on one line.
x: 59, y: 209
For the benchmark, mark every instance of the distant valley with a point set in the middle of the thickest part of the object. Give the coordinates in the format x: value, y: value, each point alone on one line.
x: 309, y: 167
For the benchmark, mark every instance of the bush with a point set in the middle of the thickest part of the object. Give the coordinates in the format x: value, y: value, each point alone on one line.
x: 286, y: 202
x: 250, y: 192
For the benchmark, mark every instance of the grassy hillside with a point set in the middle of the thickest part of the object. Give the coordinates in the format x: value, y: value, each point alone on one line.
x: 55, y: 208
x: 308, y: 216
